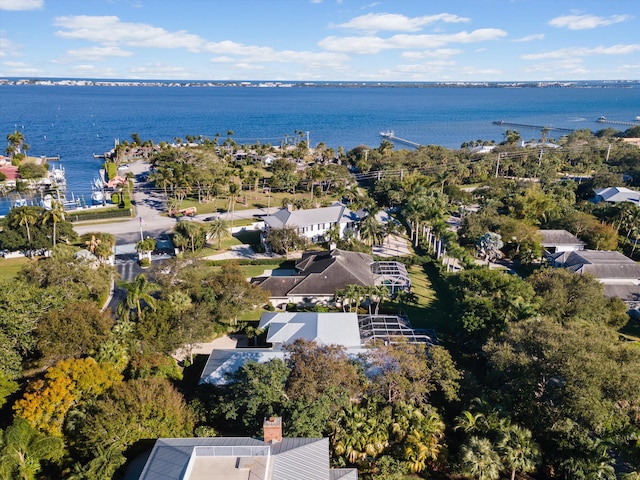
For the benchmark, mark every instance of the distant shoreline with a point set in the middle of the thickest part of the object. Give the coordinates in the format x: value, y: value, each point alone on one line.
x: 314, y: 84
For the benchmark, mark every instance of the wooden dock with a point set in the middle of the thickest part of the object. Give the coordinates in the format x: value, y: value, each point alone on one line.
x: 539, y: 127
x: 391, y: 136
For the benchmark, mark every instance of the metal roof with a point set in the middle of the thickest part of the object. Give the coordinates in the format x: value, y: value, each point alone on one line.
x: 291, y: 459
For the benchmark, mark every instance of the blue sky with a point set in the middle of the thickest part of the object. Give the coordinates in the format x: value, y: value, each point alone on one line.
x: 313, y: 40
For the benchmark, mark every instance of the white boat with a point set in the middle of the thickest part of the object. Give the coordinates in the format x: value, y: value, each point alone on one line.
x: 47, y: 201
x: 19, y: 202
x: 97, y: 197
x: 57, y: 176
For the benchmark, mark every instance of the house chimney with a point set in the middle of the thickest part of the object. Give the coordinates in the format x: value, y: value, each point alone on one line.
x: 289, y: 207
x: 272, y: 428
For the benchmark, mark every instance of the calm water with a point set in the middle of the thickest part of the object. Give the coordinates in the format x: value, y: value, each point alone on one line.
x: 76, y: 122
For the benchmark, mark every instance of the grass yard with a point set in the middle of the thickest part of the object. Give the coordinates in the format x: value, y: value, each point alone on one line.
x: 9, y: 267
x: 431, y: 310
x: 631, y: 330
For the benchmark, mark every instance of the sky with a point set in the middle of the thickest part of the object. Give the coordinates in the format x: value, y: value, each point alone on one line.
x: 322, y: 40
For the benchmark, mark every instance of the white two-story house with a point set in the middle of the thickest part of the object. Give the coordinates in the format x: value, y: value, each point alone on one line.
x: 314, y: 223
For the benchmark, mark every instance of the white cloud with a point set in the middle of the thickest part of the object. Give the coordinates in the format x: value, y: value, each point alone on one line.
x: 563, y: 68
x: 7, y: 47
x: 159, y: 70
x: 97, y: 53
x: 372, y: 44
x: 584, y: 52
x: 259, y: 54
x: 437, y: 53
x: 376, y: 22
x: 583, y: 22
x: 221, y: 60
x: 529, y: 38
x: 14, y: 64
x: 109, y: 30
x: 17, y: 5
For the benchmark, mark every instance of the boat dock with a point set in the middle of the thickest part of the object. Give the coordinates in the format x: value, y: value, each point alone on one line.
x: 618, y: 122
x: 539, y: 127
x: 391, y: 136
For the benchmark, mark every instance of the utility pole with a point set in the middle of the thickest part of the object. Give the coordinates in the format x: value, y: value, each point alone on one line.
x: 498, y: 164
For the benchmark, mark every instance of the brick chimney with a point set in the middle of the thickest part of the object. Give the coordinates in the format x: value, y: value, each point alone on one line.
x: 272, y: 428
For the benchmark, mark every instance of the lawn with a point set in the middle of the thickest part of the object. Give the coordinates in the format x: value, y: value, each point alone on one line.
x: 631, y: 330
x: 431, y: 310
x: 9, y: 267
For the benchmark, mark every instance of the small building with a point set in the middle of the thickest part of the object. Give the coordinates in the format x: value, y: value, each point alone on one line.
x: 314, y: 223
x: 616, y: 195
x: 560, y: 241
x: 273, y: 457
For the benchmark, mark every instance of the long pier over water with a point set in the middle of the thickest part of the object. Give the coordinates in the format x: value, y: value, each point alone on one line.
x: 539, y: 127
x: 391, y: 136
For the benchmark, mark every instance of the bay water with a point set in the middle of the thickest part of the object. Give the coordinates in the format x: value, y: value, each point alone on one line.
x: 76, y: 122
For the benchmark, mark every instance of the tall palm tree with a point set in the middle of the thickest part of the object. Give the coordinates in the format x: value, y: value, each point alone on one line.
x: 370, y: 230
x: 54, y: 215
x: 518, y: 450
x: 218, y: 229
x: 15, y: 139
x: 233, y: 194
x: 139, y: 291
x: 479, y: 460
x: 26, y: 216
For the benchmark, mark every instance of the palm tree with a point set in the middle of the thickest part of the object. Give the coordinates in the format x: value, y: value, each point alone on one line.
x: 470, y: 422
x: 421, y: 434
x: 233, y: 193
x: 361, y: 431
x: 23, y: 450
x: 26, y: 216
x: 15, y: 139
x: 519, y: 451
x: 479, y: 460
x: 53, y: 216
x: 370, y: 230
x: 139, y: 291
x: 218, y: 230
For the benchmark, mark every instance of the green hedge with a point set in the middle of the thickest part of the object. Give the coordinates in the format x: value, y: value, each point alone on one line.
x: 81, y: 216
x: 111, y: 170
x: 256, y: 261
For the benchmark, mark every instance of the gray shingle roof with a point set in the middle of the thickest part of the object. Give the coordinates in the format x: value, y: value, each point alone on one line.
x: 336, y: 213
x: 604, y: 264
x: 322, y: 273
x: 555, y: 238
